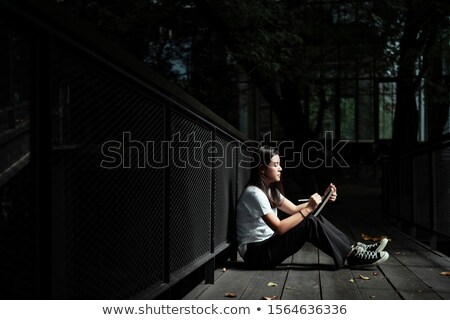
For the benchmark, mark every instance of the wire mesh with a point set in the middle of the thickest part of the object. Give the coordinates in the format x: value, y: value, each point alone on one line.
x: 190, y: 193
x: 225, y: 192
x: 111, y: 243
x: 405, y: 189
x: 243, y: 174
x: 443, y: 191
x: 17, y: 238
x: 421, y: 200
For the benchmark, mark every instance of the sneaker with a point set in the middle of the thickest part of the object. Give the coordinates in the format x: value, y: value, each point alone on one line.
x: 363, y: 258
x: 376, y: 247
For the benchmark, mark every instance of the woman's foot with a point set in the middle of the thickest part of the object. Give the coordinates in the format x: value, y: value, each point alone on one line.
x: 376, y: 247
x: 360, y: 257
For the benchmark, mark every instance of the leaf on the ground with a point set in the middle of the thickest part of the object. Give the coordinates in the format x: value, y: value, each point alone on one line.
x: 352, y: 280
x: 270, y: 298
x: 230, y: 295
x: 445, y: 273
x: 375, y: 273
x: 372, y: 297
x: 272, y: 284
x: 224, y: 269
x: 398, y: 252
x: 367, y: 237
x: 363, y: 277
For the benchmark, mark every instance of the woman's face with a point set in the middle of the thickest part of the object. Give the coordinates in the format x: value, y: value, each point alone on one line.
x: 273, y: 170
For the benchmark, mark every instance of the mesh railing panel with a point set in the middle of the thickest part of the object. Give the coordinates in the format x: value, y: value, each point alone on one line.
x: 111, y: 245
x: 422, y: 189
x: 5, y: 76
x: 420, y: 184
x: 443, y: 191
x: 405, y: 189
x: 393, y: 189
x: 18, y: 238
x: 225, y: 191
x: 190, y: 193
x: 243, y: 174
x: 18, y: 220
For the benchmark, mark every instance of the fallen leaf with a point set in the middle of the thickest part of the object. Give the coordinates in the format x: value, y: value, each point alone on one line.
x: 398, y: 252
x: 272, y: 284
x: 289, y: 288
x: 230, y: 295
x: 270, y: 298
x: 375, y: 273
x: 367, y: 237
x: 224, y: 269
x: 372, y: 297
x: 445, y: 273
x: 352, y: 280
x: 363, y: 277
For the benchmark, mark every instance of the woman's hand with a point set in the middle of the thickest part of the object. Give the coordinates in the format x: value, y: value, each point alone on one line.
x: 334, y: 195
x: 314, y: 201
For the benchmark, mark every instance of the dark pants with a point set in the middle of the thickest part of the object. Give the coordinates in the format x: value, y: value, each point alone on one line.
x: 317, y: 230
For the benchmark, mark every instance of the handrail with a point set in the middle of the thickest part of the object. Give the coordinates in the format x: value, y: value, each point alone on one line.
x: 425, y: 147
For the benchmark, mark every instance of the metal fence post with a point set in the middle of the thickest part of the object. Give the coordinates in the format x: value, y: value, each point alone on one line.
x: 413, y: 230
x: 433, y: 200
x: 41, y: 161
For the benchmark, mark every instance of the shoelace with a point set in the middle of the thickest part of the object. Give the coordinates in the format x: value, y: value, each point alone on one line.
x: 364, y: 254
x: 367, y: 246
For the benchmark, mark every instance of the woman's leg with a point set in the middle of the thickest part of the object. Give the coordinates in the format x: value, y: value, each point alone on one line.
x: 325, y: 236
x: 319, y: 231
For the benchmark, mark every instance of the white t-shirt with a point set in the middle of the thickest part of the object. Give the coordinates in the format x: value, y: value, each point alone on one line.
x: 250, y: 227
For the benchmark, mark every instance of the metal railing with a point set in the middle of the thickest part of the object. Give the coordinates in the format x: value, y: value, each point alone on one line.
x: 416, y: 189
x: 117, y: 230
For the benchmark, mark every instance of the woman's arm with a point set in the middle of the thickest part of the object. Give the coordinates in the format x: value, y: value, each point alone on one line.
x: 282, y: 226
x: 288, y: 207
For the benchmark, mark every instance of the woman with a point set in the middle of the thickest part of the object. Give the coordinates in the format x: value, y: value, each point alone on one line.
x: 264, y: 241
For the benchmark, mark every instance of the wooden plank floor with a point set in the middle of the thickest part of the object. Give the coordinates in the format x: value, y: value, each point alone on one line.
x: 411, y: 272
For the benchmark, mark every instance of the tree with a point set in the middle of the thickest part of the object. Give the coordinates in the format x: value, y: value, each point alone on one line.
x: 424, y: 22
x: 295, y: 52
x: 172, y: 38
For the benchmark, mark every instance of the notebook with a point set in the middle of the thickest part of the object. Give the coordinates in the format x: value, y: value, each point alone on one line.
x: 323, y: 203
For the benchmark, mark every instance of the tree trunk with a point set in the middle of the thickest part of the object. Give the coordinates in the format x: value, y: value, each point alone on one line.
x: 287, y: 106
x: 406, y: 115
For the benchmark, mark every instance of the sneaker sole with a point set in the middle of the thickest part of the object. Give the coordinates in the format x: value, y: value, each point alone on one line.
x: 383, y: 244
x: 381, y: 260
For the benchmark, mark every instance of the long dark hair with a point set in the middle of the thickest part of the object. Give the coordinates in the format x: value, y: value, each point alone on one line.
x: 261, y: 159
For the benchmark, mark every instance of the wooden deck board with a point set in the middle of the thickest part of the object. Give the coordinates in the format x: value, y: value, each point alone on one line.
x: 377, y: 287
x: 426, y: 265
x: 405, y: 282
x: 259, y: 286
x: 336, y: 284
x: 198, y: 290
x: 233, y: 281
x: 303, y: 280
